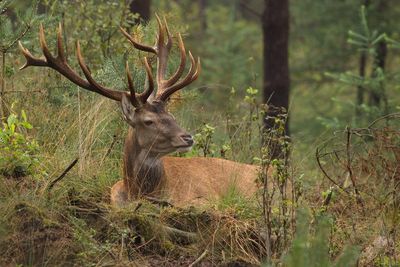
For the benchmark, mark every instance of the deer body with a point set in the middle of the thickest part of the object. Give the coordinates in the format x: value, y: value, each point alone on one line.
x: 153, y: 132
x: 180, y: 181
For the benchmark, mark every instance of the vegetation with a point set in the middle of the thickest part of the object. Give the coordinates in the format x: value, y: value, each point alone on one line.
x: 331, y: 198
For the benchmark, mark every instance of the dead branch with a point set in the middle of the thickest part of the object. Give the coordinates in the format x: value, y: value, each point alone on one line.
x: 349, y: 169
x: 51, y: 185
x: 318, y: 156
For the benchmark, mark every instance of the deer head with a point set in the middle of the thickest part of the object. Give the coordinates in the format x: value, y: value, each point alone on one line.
x: 156, y: 130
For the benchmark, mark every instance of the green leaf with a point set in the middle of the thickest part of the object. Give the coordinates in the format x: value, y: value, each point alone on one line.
x: 26, y: 125
x: 23, y: 115
x: 12, y: 119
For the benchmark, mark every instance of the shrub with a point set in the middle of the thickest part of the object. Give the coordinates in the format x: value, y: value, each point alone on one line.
x: 18, y: 152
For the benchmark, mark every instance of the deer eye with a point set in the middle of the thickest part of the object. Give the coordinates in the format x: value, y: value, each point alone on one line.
x: 148, y: 122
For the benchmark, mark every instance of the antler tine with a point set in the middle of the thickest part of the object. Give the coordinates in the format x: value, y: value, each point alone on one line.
x: 162, y: 47
x: 191, y: 76
x: 137, y: 45
x: 181, y: 68
x: 46, y: 52
x: 94, y: 85
x: 60, y: 48
x: 60, y: 64
x: 169, y: 41
x: 160, y: 40
x: 30, y: 59
x: 133, y: 98
x: 150, y: 86
x: 162, y: 54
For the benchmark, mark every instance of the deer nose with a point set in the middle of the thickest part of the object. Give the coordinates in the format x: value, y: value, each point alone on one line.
x: 188, y: 139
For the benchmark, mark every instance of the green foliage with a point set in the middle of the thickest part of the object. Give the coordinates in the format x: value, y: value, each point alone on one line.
x: 16, y: 21
x: 95, y: 24
x: 366, y: 41
x: 310, y: 247
x: 203, y: 140
x: 19, y: 154
x: 89, y: 247
x: 226, y: 35
x: 235, y: 203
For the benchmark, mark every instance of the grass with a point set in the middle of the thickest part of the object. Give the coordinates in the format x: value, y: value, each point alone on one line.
x: 73, y: 224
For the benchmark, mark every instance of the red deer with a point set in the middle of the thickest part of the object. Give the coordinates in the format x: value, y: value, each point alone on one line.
x: 153, y: 132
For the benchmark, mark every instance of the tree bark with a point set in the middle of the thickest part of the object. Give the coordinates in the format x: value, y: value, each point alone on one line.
x: 360, y: 88
x: 142, y: 8
x: 376, y: 97
x: 361, y: 72
x: 275, y: 22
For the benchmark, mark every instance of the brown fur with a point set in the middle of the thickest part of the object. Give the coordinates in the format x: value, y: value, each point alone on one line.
x: 190, y: 181
x: 181, y: 181
x: 199, y: 179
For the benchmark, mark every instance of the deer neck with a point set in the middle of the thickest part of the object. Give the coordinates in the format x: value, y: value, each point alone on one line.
x: 143, y: 170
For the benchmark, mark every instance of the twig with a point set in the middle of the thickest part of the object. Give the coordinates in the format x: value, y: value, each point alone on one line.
x: 200, y: 258
x: 110, y: 148
x: 349, y: 169
x: 140, y: 204
x: 397, y: 114
x: 317, y: 155
x: 51, y: 185
x: 19, y: 37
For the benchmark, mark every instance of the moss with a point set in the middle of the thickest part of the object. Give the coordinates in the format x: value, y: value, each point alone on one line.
x: 190, y: 219
x: 34, y: 238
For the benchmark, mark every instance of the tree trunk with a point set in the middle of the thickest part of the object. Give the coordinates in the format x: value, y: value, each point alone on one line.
x: 360, y: 88
x: 275, y: 22
x: 361, y: 72
x: 376, y: 96
x: 142, y: 8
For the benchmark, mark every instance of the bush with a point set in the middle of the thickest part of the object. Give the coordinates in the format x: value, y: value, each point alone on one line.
x: 18, y: 153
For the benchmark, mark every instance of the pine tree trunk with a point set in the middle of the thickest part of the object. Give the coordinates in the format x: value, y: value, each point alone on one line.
x: 360, y: 88
x: 361, y: 72
x: 142, y: 8
x: 275, y: 22
x: 376, y: 97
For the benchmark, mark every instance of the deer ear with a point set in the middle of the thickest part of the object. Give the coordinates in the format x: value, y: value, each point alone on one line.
x: 128, y: 110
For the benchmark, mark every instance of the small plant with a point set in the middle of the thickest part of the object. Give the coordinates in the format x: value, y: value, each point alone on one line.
x: 204, y: 140
x: 18, y: 153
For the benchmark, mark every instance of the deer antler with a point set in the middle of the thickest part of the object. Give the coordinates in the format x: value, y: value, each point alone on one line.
x: 165, y: 88
x: 61, y: 65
